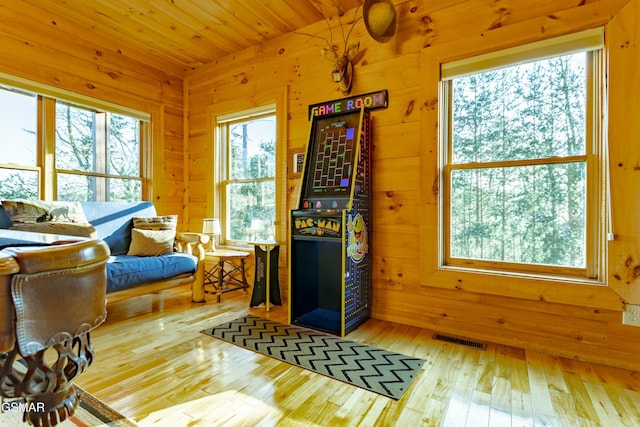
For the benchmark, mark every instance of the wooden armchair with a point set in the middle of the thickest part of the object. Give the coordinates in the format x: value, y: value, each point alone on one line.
x: 194, y: 244
x: 50, y: 298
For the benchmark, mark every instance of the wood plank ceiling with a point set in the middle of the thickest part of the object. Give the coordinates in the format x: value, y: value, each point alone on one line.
x: 182, y: 34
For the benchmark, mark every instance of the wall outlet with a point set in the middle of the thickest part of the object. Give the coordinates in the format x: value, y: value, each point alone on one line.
x: 631, y: 315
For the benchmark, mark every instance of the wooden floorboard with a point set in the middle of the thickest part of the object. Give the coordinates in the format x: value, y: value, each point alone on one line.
x: 153, y: 365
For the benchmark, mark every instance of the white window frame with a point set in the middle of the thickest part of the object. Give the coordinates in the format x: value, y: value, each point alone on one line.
x: 101, y: 174
x: 222, y: 180
x: 46, y: 165
x: 589, y: 40
x: 23, y: 167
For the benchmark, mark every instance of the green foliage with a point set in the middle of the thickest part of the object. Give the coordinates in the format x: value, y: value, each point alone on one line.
x: 97, y: 154
x: 18, y: 136
x: 97, y: 143
x: 522, y: 211
x: 251, y: 192
x: 18, y: 184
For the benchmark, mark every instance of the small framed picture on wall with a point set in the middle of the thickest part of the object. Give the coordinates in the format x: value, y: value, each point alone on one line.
x: 296, y: 161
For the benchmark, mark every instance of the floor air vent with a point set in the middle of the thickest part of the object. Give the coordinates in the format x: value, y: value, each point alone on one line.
x: 462, y: 341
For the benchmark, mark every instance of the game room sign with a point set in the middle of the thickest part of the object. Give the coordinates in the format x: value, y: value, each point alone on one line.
x: 371, y: 101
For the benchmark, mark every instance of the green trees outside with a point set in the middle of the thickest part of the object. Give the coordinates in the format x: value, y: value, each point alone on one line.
x: 16, y: 184
x: 251, y: 192
x: 18, y: 144
x: 518, y: 163
x: 97, y: 155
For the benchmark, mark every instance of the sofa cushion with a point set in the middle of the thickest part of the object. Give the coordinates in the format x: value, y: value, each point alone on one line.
x: 125, y: 271
x: 151, y: 242
x: 166, y: 222
x: 5, y: 221
x: 153, y: 235
x: 35, y: 211
x: 113, y: 221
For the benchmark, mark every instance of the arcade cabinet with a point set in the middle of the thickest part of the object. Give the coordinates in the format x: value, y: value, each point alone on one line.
x: 329, y: 278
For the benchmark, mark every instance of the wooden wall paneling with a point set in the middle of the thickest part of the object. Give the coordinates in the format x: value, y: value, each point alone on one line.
x: 186, y: 186
x: 623, y: 38
x: 622, y: 338
x: 560, y: 20
x: 527, y: 312
x: 172, y: 188
x: 202, y: 77
x: 202, y: 164
x: 526, y: 328
x: 426, y: 184
x: 403, y: 108
x: 434, y: 23
x: 396, y: 240
x: 83, y: 76
x: 396, y: 141
x: 401, y: 173
x: 102, y: 71
x: 431, y: 60
x: 198, y: 128
x: 200, y: 95
x: 201, y: 155
x: 397, y: 207
x: 293, y: 192
x: 173, y: 130
x: 299, y: 128
x: 393, y: 271
x: 391, y: 75
x: 198, y: 157
x: 527, y: 288
x: 395, y: 75
x: 154, y: 154
x: 93, y: 70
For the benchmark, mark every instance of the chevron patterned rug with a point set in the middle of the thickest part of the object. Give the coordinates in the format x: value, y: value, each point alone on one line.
x: 374, y: 369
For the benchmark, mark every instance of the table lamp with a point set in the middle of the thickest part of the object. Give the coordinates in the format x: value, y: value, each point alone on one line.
x: 211, y: 227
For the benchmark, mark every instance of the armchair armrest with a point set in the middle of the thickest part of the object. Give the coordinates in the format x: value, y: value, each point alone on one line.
x: 191, y: 243
x: 8, y: 266
x: 58, y: 295
x: 194, y: 244
x: 59, y: 292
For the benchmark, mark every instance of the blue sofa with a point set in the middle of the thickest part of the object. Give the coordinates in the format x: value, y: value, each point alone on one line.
x: 113, y: 222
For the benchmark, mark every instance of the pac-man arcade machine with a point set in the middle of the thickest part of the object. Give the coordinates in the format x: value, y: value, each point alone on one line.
x: 329, y: 277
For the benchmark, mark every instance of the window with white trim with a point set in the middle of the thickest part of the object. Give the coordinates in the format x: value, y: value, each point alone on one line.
x: 522, y: 159
x: 90, y: 154
x: 246, y: 175
x: 97, y: 155
x: 19, y: 171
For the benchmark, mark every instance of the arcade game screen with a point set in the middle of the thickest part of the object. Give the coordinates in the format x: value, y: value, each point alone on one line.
x: 332, y: 158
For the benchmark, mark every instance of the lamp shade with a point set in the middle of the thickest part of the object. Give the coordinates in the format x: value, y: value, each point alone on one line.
x: 211, y: 226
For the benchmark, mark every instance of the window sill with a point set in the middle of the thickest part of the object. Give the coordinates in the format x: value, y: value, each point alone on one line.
x: 526, y: 276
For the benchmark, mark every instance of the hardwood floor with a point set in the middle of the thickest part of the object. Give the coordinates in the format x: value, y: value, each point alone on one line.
x: 153, y: 365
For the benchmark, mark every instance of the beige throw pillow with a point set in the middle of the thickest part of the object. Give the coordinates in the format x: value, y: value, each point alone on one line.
x: 166, y: 222
x: 153, y: 235
x: 35, y: 211
x: 151, y: 242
